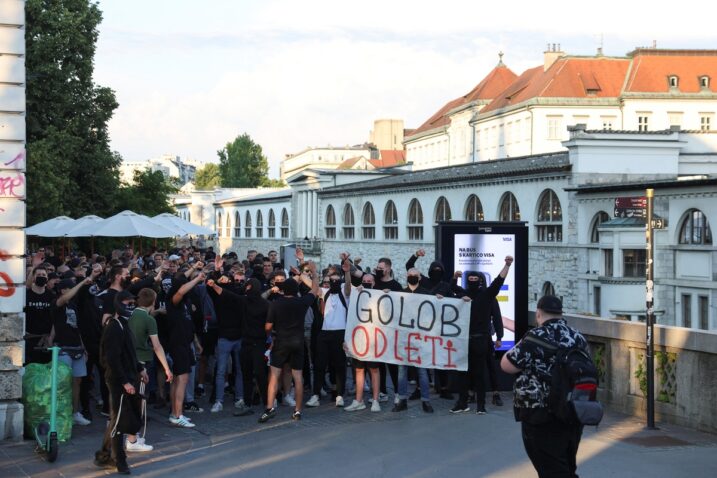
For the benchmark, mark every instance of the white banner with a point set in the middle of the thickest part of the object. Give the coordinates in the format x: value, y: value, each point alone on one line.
x: 408, y: 329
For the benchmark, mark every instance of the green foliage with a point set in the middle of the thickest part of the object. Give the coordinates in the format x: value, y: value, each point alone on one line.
x: 665, y: 362
x: 208, y: 177
x: 70, y: 167
x: 148, y: 195
x: 242, y: 164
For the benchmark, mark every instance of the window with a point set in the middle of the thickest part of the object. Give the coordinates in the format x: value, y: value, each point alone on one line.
x: 555, y: 127
x: 548, y: 288
x: 703, y: 309
x: 415, y: 221
x: 272, y: 224
x: 704, y: 82
x: 549, y: 211
x: 247, y: 224
x: 219, y: 224
x: 390, y: 221
x: 675, y: 119
x: 259, y: 224
x: 369, y: 222
x: 607, y: 263
x: 227, y: 226
x: 330, y: 223
x: 673, y: 81
x: 633, y: 262
x: 443, y: 210
x: 237, y: 224
x: 599, y: 218
x: 608, y: 122
x: 687, y: 310
x: 643, y: 122
x: 695, y: 229
x: 596, y: 300
x: 509, y: 210
x: 474, y: 209
x: 284, y: 223
x: 348, y: 221
x: 705, y: 122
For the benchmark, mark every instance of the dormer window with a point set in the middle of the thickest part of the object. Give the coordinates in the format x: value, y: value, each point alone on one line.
x: 674, y: 81
x: 704, y: 82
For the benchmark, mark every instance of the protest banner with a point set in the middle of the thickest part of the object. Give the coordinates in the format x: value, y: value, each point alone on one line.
x: 408, y: 329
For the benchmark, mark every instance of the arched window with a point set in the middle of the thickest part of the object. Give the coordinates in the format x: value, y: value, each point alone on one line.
x: 674, y: 81
x: 390, y: 221
x: 272, y: 223
x: 237, y: 224
x: 369, y: 222
x: 548, y: 288
x: 599, y: 218
x: 695, y: 229
x: 247, y: 224
x: 227, y: 226
x: 549, y: 223
x: 474, y: 209
x: 443, y: 210
x: 189, y: 216
x: 259, y: 224
x: 415, y: 221
x: 284, y: 223
x: 348, y: 221
x: 509, y: 210
x: 219, y: 224
x: 330, y: 223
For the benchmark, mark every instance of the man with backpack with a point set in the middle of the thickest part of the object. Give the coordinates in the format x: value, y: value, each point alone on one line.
x: 544, y: 360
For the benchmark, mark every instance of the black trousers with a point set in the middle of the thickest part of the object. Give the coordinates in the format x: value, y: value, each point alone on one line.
x: 392, y: 372
x: 552, y: 448
x: 93, y: 360
x: 112, y: 446
x: 253, y: 367
x: 492, y: 365
x: 330, y: 352
x: 478, y: 349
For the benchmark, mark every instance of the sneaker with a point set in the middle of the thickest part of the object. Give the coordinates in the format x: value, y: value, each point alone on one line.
x: 243, y: 411
x: 217, y: 407
x: 497, y: 401
x: 78, y: 419
x: 288, y: 401
x: 104, y: 461
x: 427, y: 407
x: 268, y: 414
x: 313, y: 401
x: 193, y: 407
x: 383, y: 397
x: 240, y: 403
x: 339, y: 401
x: 375, y: 406
x: 181, y: 422
x: 355, y: 406
x: 460, y: 408
x: 401, y: 405
x: 396, y: 399
x: 480, y: 410
x: 296, y: 415
x: 138, y: 446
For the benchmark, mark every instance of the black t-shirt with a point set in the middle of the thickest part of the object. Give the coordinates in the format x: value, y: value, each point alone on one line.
x: 108, y: 301
x: 391, y: 285
x: 179, y: 319
x: 65, y: 321
x: 287, y: 314
x: 38, y: 311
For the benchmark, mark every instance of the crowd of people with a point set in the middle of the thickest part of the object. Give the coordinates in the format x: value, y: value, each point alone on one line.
x: 193, y: 325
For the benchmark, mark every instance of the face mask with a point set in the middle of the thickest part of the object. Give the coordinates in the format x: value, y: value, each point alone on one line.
x: 413, y: 280
x: 125, y: 311
x: 41, y: 281
x: 335, y: 286
x: 367, y: 285
x: 355, y: 281
x: 378, y: 273
x: 474, y: 286
x: 435, y: 274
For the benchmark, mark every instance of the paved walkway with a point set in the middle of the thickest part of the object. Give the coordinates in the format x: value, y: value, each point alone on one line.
x: 332, y: 442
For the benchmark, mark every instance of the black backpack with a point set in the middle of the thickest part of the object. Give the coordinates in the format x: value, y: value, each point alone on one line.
x: 573, y: 384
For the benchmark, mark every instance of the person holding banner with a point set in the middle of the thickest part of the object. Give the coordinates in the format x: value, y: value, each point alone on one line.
x: 480, y: 342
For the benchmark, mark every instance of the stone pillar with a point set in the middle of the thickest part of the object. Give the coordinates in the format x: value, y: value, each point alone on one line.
x: 12, y: 213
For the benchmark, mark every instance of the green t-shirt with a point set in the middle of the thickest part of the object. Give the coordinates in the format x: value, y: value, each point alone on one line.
x: 143, y: 325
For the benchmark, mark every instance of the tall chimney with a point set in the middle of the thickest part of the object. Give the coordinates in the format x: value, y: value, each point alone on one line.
x: 551, y: 55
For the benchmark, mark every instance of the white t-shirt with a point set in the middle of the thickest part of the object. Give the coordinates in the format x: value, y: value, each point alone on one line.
x: 334, y: 311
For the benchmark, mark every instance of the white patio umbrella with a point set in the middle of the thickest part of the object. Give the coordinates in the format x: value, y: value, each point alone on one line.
x: 187, y: 228
x: 131, y: 224
x: 86, y: 222
x: 50, y: 228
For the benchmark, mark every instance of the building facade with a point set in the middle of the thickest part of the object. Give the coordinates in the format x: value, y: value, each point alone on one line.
x: 171, y: 166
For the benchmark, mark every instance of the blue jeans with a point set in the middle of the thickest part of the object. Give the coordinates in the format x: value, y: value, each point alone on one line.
x: 224, y: 348
x: 422, y: 382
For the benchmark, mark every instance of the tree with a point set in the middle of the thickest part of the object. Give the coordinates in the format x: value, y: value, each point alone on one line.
x: 148, y: 195
x: 208, y: 177
x: 70, y: 166
x: 242, y: 164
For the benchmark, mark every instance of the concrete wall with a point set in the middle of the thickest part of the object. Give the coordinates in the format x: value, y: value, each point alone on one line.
x: 689, y: 374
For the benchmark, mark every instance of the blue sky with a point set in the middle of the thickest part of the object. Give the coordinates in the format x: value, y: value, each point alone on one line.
x: 191, y: 75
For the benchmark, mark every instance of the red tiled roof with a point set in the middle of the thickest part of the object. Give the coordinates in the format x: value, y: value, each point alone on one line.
x: 349, y: 163
x: 652, y: 68
x: 390, y: 158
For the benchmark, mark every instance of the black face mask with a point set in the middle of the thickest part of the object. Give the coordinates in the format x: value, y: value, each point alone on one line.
x: 335, y: 286
x: 41, y: 281
x: 413, y: 280
x: 435, y: 274
x: 355, y: 281
x: 367, y: 285
x: 125, y: 311
x: 378, y: 274
x: 474, y: 286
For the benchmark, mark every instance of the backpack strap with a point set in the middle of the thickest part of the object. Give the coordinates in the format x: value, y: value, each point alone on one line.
x: 550, y: 347
x: 341, y: 297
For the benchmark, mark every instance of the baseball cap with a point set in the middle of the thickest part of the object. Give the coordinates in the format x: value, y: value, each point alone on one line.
x: 174, y: 257
x: 550, y: 304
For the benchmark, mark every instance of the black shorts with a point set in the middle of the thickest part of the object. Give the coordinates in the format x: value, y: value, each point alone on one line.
x: 182, y: 359
x: 361, y: 365
x: 209, y: 342
x: 291, y: 352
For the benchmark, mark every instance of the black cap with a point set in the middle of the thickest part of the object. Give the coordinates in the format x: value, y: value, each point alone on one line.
x: 550, y: 304
x: 53, y: 275
x: 66, y: 284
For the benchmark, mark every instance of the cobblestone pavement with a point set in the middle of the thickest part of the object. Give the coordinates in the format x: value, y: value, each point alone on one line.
x: 332, y: 442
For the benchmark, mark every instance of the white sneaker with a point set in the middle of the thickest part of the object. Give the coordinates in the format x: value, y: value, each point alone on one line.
x: 355, y: 406
x: 375, y: 406
x: 313, y: 401
x: 181, y: 421
x: 79, y: 419
x: 240, y: 403
x: 288, y: 401
x: 396, y: 399
x: 139, y: 446
x: 339, y: 401
x: 382, y: 397
x: 217, y: 407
